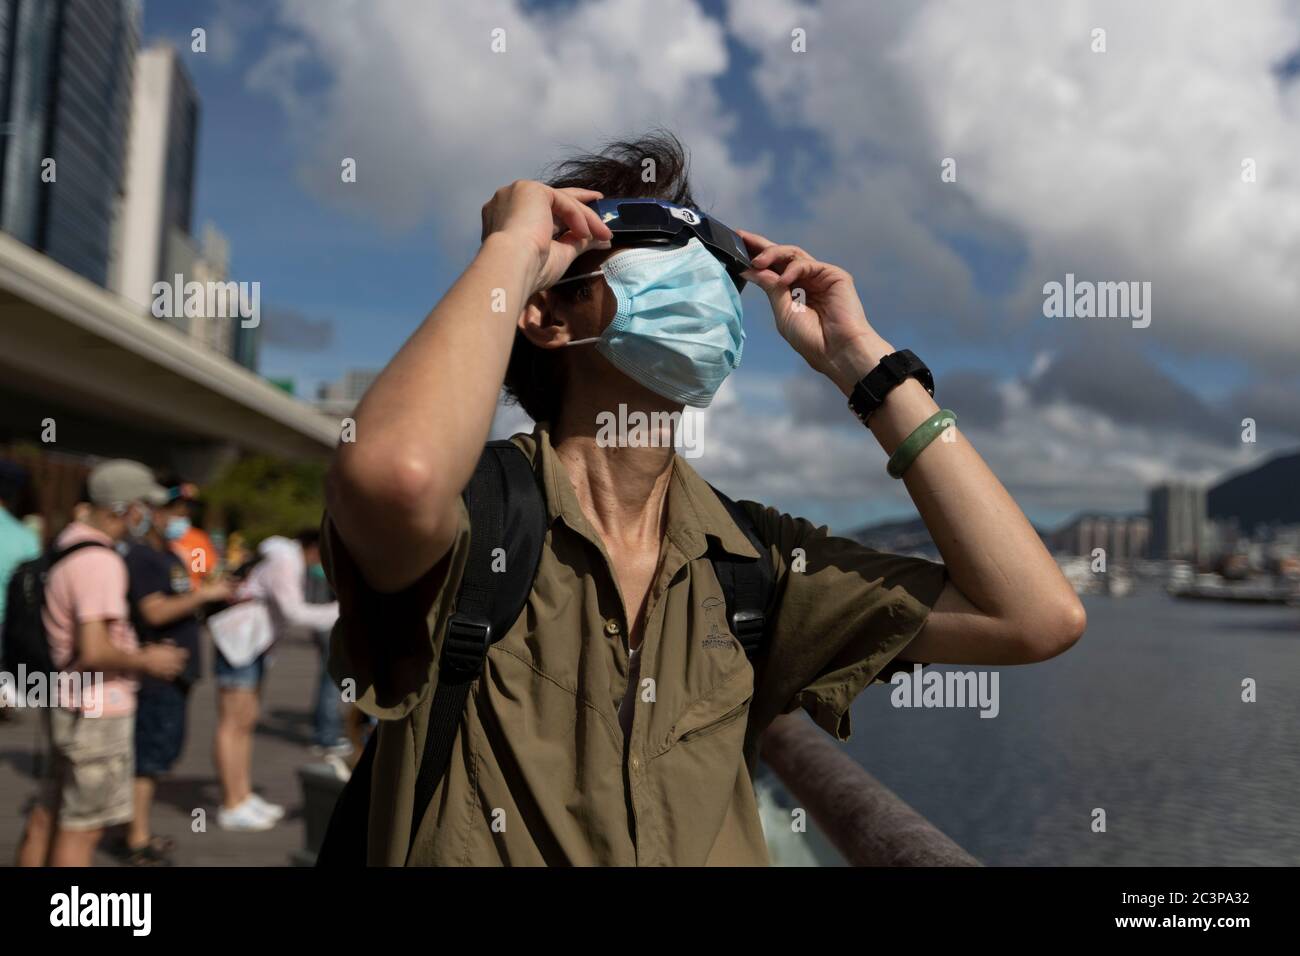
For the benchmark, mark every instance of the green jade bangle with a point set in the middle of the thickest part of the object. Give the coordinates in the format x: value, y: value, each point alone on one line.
x: 915, y: 443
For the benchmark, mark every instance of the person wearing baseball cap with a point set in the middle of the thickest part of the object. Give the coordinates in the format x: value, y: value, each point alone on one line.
x: 91, y: 724
x: 118, y: 484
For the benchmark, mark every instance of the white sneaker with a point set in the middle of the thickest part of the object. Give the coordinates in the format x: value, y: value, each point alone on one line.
x: 272, y: 811
x: 246, y: 817
x: 339, y: 766
x: 342, y: 748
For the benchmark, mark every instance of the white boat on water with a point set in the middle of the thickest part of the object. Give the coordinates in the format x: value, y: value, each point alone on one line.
x: 1211, y: 587
x: 1080, y: 575
x: 1118, y: 584
x: 1078, y: 571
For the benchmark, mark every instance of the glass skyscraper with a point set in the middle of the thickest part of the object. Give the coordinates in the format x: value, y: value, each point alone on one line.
x: 65, y: 95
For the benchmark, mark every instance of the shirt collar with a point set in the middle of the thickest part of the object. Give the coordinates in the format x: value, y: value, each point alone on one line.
x: 695, y: 514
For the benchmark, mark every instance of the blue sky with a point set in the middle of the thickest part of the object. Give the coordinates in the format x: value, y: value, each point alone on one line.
x: 837, y: 150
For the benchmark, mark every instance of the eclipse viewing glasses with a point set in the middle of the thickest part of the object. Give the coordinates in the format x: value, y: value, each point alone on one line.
x: 637, y: 221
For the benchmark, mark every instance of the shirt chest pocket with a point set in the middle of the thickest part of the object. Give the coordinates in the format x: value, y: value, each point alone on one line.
x: 725, y: 707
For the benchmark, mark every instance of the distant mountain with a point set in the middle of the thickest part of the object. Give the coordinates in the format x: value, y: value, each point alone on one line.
x: 903, y: 536
x: 1267, y: 494
x: 906, y: 536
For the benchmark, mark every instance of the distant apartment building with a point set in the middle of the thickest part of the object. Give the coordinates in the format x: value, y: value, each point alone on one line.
x: 247, y: 344
x: 205, y: 261
x: 160, y: 179
x: 1178, y: 521
x: 341, y: 397
x: 1123, y: 537
x: 66, y: 69
x: 158, y: 238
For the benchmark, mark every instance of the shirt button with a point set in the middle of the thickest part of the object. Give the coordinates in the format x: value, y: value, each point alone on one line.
x: 612, y: 628
x: 636, y: 763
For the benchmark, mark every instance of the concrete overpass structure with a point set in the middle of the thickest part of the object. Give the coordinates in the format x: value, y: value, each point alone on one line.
x: 119, y: 383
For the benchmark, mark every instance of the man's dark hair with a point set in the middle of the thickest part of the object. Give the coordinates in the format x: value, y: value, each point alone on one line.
x: 618, y: 169
x: 308, y: 537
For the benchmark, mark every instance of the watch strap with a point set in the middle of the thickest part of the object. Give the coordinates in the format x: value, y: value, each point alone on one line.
x: 870, y: 392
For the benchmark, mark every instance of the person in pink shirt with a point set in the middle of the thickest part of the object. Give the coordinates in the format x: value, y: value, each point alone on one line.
x: 90, y: 721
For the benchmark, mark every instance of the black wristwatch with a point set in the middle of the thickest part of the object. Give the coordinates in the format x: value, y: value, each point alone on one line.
x: 870, y: 392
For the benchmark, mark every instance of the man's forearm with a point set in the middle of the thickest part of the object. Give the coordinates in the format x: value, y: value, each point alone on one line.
x: 422, y: 424
x: 160, y: 610
x: 994, y: 557
x: 97, y: 652
x: 433, y: 404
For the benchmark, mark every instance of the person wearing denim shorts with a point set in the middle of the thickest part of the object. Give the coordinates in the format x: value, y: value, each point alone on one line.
x: 278, y: 580
x: 247, y: 677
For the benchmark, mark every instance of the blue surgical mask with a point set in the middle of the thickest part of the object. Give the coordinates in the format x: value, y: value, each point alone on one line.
x: 140, y: 527
x: 176, y: 527
x: 677, y: 330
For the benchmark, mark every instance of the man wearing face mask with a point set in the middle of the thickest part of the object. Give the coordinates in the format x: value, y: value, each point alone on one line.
x: 88, y: 623
x: 617, y: 720
x: 165, y: 608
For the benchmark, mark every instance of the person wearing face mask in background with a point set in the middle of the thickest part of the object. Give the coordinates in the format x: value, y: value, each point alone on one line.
x: 165, y: 609
x: 87, y: 619
x: 193, y: 545
x: 617, y: 721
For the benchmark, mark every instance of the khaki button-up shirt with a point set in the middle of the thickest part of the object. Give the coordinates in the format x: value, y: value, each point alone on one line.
x: 541, y: 771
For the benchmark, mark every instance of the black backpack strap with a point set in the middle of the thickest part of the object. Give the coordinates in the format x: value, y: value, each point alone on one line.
x: 506, y: 511
x: 57, y: 556
x: 748, y: 584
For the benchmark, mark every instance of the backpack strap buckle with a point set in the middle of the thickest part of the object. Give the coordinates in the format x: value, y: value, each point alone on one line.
x: 466, y: 646
x: 748, y: 626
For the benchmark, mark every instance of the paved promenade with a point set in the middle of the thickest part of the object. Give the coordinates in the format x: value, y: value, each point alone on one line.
x: 279, y: 749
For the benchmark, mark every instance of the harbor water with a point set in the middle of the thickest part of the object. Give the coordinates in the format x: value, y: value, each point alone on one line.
x: 1143, y: 719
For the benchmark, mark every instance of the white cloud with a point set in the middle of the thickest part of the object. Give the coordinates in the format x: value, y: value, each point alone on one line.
x: 437, y: 121
x: 1118, y: 165
x: 1054, y: 458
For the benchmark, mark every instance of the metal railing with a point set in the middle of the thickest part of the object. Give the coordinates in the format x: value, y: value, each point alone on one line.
x: 864, y: 820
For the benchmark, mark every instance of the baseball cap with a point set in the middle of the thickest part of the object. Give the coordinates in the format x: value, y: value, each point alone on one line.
x: 121, y: 481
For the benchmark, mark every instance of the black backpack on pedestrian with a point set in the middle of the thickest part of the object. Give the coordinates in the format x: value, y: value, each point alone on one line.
x: 25, y: 642
x: 506, y: 506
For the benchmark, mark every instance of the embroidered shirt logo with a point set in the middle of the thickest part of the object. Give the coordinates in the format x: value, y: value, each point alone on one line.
x: 714, y: 614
